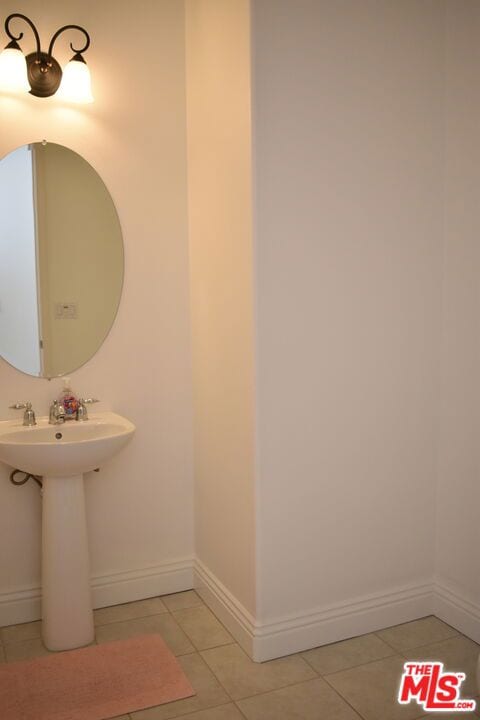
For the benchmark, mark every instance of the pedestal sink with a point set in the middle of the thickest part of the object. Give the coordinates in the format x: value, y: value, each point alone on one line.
x: 61, y: 454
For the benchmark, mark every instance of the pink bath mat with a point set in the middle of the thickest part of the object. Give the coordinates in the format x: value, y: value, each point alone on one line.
x: 94, y: 683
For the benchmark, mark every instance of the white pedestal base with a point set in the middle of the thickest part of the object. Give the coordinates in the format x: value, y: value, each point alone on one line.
x: 66, y: 596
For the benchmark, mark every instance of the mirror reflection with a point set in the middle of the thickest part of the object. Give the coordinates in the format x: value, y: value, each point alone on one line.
x: 61, y: 260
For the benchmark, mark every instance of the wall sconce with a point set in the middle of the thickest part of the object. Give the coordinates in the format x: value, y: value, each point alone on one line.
x: 39, y: 73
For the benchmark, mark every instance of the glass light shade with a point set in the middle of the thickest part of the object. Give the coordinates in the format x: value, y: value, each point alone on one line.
x: 13, y: 71
x: 76, y: 84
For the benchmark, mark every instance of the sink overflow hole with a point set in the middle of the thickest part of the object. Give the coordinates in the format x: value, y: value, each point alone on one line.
x: 58, y: 436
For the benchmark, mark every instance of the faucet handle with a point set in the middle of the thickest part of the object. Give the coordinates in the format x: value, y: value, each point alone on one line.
x: 82, y: 412
x: 28, y: 415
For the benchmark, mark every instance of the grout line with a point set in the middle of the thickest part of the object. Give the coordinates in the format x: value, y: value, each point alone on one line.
x: 386, y: 641
x: 215, y: 675
x: 210, y: 647
x: 200, y: 602
x: 235, y: 704
x: 231, y: 700
x: 303, y: 682
x: 276, y: 689
x: 232, y: 640
x: 337, y: 692
x: 143, y: 617
x: 137, y: 617
x: 416, y: 647
x: 394, y: 653
x: 370, y: 662
x: 356, y: 711
x: 326, y: 678
x: 300, y: 654
x: 433, y: 644
x: 405, y: 652
x: 214, y: 647
x: 265, y: 692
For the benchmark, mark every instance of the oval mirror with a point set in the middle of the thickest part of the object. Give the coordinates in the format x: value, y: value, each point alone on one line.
x: 61, y: 260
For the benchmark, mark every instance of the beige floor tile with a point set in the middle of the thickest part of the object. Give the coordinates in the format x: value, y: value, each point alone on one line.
x: 241, y: 677
x: 312, y: 700
x: 372, y: 690
x: 129, y: 611
x: 202, y: 627
x: 18, y: 633
x: 458, y: 654
x: 182, y: 600
x: 209, y: 692
x: 419, y: 632
x: 347, y: 654
x: 164, y: 624
x: 25, y: 650
x: 224, y: 712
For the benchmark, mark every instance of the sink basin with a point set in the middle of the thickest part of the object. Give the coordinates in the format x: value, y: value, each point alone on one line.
x: 61, y: 454
x: 63, y: 450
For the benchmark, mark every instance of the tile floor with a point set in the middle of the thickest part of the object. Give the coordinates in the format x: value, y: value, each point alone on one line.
x: 355, y: 679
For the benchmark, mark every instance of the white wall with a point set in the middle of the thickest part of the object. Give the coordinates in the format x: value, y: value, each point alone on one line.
x: 459, y: 489
x: 19, y: 338
x: 220, y: 227
x: 348, y: 237
x: 140, y: 506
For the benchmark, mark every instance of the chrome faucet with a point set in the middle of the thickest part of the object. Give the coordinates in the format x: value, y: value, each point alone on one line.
x: 28, y: 415
x: 57, y: 413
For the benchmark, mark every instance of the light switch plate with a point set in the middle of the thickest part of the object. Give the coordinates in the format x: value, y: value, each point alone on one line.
x: 66, y: 311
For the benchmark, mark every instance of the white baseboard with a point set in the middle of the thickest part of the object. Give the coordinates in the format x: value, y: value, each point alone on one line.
x: 236, y: 618
x: 325, y: 625
x: 265, y: 641
x: 276, y: 638
x: 169, y: 577
x: 20, y: 606
x: 457, y: 610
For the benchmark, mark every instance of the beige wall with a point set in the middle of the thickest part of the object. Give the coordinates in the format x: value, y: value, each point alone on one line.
x: 219, y: 171
x: 349, y: 144
x: 81, y: 257
x: 458, y: 529
x: 140, y: 505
